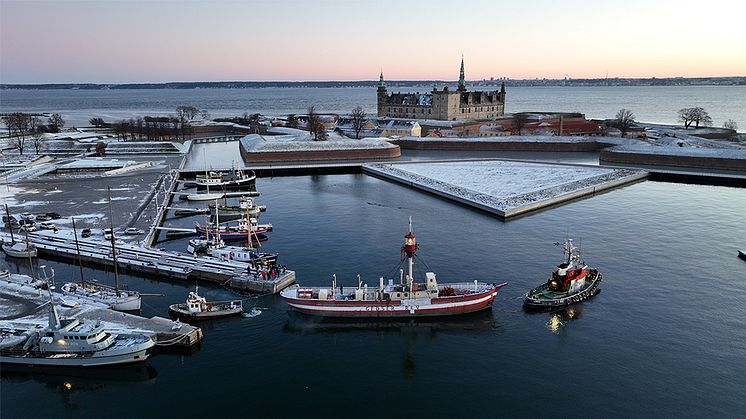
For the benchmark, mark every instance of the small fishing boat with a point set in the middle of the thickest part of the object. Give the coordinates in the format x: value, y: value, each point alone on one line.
x: 245, y: 204
x: 71, y: 343
x: 198, y: 308
x: 572, y: 281
x: 234, y: 179
x: 240, y: 231
x: 408, y: 298
x: 20, y: 250
x: 206, y: 196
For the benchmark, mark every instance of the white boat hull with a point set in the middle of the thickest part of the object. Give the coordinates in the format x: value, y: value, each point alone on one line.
x: 135, y: 353
x: 19, y: 251
x: 204, y: 196
x: 129, y: 302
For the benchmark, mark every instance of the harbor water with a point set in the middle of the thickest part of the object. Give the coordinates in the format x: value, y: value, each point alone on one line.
x: 665, y: 337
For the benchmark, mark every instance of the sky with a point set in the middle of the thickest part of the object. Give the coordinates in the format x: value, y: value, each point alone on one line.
x: 156, y: 41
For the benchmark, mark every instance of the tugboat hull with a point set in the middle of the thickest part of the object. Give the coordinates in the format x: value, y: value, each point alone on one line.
x: 538, y: 298
x: 439, y: 306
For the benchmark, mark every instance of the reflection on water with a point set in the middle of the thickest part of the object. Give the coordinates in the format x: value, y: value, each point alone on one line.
x: 299, y: 323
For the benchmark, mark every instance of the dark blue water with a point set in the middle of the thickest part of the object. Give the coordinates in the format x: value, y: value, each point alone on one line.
x: 664, y: 338
x: 650, y: 104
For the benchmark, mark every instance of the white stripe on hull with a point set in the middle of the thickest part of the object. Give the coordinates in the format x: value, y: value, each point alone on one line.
x: 391, y: 310
x: 94, y: 361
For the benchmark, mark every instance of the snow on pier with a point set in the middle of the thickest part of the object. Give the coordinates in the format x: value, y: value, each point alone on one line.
x: 31, y: 302
x: 504, y: 187
x: 159, y: 262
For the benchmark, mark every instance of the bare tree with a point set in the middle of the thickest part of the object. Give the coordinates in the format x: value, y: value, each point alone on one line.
x: 18, y: 127
x: 292, y: 121
x: 37, y: 140
x: 519, y: 121
x: 697, y: 116
x: 624, y: 120
x: 730, y: 124
x: 184, y: 117
x: 56, y: 123
x: 97, y: 122
x: 358, y: 120
x: 315, y: 125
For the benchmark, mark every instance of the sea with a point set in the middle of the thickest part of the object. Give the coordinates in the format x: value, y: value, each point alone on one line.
x: 654, y: 104
x: 666, y: 337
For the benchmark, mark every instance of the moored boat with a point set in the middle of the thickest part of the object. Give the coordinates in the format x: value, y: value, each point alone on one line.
x: 407, y: 298
x: 20, y: 250
x: 572, y: 281
x: 71, y: 343
x: 198, y: 308
x: 235, y: 178
x: 241, y: 230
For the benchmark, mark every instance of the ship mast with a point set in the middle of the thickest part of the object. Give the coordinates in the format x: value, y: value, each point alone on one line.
x: 217, y: 223
x: 10, y: 225
x: 77, y: 248
x: 113, y: 246
x: 410, y: 248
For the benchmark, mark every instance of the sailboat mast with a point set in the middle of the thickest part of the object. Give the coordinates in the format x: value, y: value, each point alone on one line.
x: 28, y: 252
x: 9, y: 224
x: 77, y: 248
x: 248, y: 223
x: 217, y: 222
x: 113, y: 246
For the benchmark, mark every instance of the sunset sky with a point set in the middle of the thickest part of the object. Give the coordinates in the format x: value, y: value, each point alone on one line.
x: 108, y: 41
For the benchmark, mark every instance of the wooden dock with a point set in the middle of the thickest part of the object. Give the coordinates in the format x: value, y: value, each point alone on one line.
x: 163, y: 331
x: 158, y: 263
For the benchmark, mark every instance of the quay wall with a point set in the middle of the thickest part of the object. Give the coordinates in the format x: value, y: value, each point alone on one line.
x: 498, y: 145
x: 320, y: 155
x: 702, y: 162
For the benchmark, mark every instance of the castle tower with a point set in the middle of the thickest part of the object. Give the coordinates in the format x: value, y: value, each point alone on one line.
x: 383, y: 97
x: 501, y: 95
x: 461, y: 79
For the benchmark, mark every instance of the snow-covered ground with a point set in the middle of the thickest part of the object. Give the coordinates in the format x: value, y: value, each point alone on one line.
x: 506, y: 187
x: 722, y: 153
x: 304, y: 142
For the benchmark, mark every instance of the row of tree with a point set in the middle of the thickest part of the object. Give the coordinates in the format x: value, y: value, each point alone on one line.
x: 23, y: 126
x: 155, y: 128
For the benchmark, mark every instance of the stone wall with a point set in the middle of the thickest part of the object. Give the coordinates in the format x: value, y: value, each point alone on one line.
x: 612, y: 156
x: 497, y: 145
x: 293, y: 156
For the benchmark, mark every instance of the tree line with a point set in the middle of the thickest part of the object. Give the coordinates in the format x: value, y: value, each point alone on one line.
x: 154, y: 128
x: 24, y: 127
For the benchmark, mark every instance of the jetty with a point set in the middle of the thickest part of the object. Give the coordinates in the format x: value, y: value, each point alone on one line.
x: 28, y: 308
x: 158, y: 263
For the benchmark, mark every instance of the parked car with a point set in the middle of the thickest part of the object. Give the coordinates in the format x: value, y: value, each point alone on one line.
x: 54, y: 215
x: 107, y: 233
x: 43, y: 217
x: 28, y: 216
x: 86, y: 232
x: 28, y: 227
x: 132, y: 231
x: 47, y: 226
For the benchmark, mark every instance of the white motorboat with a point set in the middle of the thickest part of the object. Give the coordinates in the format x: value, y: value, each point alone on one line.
x: 72, y: 343
x: 197, y: 307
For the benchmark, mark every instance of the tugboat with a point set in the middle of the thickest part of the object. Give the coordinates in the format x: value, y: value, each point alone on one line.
x: 71, y: 343
x: 408, y: 298
x: 198, y: 308
x: 571, y: 282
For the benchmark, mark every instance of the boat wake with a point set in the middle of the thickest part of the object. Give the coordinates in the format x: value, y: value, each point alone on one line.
x: 253, y: 313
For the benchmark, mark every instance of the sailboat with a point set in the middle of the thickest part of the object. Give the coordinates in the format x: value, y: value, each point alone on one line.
x: 114, y: 297
x: 205, y: 196
x: 215, y: 246
x: 18, y: 249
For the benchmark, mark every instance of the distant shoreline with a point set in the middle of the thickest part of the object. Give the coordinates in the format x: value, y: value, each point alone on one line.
x: 428, y: 84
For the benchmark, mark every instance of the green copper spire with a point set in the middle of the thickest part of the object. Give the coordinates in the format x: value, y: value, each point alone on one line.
x: 381, y: 83
x: 461, y: 80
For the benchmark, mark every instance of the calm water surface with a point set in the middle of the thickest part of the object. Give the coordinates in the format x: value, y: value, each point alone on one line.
x: 666, y: 337
x: 650, y: 104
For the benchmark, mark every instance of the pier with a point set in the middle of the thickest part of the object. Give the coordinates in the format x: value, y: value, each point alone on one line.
x: 33, y: 303
x: 159, y: 263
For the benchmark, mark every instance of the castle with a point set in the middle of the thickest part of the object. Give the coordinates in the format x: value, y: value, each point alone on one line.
x: 443, y: 104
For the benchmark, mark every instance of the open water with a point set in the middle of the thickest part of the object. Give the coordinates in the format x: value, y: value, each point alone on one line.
x: 666, y: 336
x: 658, y: 104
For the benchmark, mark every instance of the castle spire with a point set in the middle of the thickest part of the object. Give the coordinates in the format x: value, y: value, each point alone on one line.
x: 461, y: 79
x: 381, y: 83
